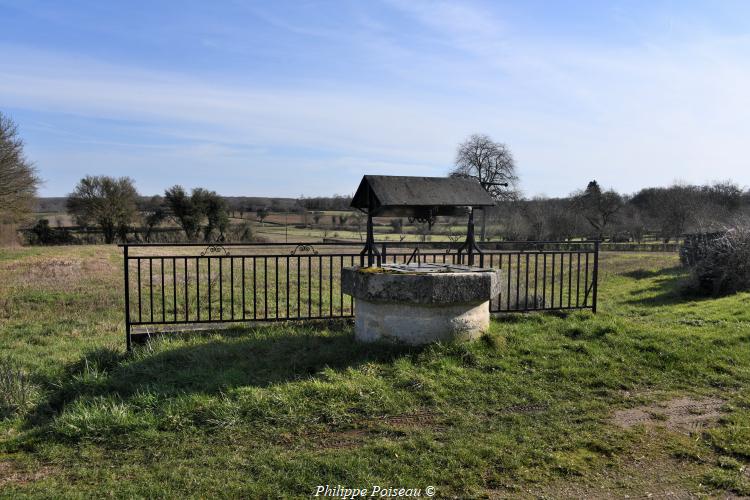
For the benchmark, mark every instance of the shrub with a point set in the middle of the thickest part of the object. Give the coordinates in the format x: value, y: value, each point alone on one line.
x: 43, y: 234
x: 694, y: 247
x: 723, y: 265
x: 241, y: 233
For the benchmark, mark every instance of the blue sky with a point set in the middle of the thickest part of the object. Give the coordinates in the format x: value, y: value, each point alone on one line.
x: 302, y: 98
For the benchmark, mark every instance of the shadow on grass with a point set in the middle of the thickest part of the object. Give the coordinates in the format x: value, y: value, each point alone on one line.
x: 670, y: 286
x: 527, y: 316
x: 259, y: 356
x: 640, y: 274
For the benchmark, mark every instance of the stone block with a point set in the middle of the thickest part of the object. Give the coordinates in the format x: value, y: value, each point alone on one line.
x: 421, y: 303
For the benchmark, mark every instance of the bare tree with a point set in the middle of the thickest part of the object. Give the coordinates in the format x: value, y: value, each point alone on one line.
x: 672, y: 208
x: 261, y: 214
x: 18, y: 178
x: 598, y: 207
x: 106, y: 202
x: 563, y: 223
x: 489, y: 162
x: 536, y: 214
x: 632, y: 223
x: 514, y: 225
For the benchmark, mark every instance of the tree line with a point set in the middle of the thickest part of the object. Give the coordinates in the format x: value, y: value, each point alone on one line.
x: 114, y: 206
x: 594, y: 212
x: 663, y: 213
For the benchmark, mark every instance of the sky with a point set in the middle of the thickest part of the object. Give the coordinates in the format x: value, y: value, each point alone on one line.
x: 276, y: 98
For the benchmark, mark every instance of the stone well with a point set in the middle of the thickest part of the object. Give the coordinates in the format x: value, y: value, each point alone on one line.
x: 418, y: 304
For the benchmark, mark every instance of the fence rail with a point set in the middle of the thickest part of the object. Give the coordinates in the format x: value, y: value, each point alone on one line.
x: 182, y: 284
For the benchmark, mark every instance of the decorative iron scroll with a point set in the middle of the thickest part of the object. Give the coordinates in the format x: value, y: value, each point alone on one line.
x: 303, y: 249
x: 214, y: 248
x: 429, y: 220
x: 425, y: 218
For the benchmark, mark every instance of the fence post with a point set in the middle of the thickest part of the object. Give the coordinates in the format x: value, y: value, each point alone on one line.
x: 126, y: 278
x: 595, y: 276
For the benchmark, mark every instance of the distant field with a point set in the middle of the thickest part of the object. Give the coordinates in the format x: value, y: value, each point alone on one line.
x: 281, y: 227
x: 56, y: 219
x: 648, y: 397
x: 295, y: 218
x: 279, y: 233
x: 293, y: 226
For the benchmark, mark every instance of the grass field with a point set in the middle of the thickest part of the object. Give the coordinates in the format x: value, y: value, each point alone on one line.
x: 538, y: 407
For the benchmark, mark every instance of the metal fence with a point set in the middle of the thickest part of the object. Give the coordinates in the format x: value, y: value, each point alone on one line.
x: 186, y: 284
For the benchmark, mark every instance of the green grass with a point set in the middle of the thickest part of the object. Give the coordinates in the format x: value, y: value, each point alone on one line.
x: 275, y: 411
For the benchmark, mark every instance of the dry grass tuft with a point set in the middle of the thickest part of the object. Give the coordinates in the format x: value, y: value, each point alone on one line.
x: 17, y: 392
x: 12, y: 474
x: 55, y: 271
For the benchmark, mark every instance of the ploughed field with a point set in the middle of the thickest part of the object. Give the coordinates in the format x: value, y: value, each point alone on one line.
x: 649, y: 396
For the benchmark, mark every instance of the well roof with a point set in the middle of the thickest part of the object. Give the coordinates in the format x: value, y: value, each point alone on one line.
x: 396, y: 195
